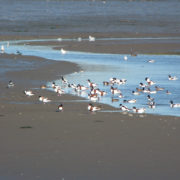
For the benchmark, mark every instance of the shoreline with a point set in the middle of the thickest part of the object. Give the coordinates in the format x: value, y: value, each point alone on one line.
x: 148, y: 46
x: 45, y: 138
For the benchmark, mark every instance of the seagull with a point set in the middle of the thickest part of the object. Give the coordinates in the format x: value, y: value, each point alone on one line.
x: 91, y: 38
x: 63, y: 51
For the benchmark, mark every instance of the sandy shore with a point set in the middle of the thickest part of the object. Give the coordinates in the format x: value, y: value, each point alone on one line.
x: 37, y: 142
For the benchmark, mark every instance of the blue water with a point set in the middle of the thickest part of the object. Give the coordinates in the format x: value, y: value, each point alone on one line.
x: 101, y: 67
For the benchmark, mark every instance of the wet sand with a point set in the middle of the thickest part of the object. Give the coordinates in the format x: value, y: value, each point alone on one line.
x: 39, y: 143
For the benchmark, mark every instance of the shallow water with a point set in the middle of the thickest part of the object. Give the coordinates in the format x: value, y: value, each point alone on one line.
x: 101, y: 67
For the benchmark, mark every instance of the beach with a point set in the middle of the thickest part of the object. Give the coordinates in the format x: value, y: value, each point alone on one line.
x: 38, y: 142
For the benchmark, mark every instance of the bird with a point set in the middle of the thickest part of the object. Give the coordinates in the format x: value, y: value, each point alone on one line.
x: 172, y: 105
x: 93, y: 97
x: 136, y: 93
x: 152, y: 105
x: 114, y: 99
x: 120, y: 95
x: 65, y: 81
x: 44, y: 99
x: 93, y: 108
x: 60, y: 108
x: 125, y: 58
x: 63, y: 51
x: 28, y: 93
x: 140, y: 110
x: 159, y: 88
x: 123, y: 108
x: 151, y: 61
x: 115, y: 90
x: 18, y: 52
x: 150, y: 82
x: 79, y: 39
x: 168, y: 92
x: 91, y: 84
x: 150, y: 98
x: 2, y: 49
x: 172, y: 78
x: 91, y: 38
x: 10, y: 84
x: 81, y: 88
x: 130, y: 101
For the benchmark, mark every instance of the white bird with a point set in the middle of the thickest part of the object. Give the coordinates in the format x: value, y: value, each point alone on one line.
x: 44, y: 99
x: 28, y: 93
x: 63, y: 51
x: 125, y: 58
x: 172, y: 105
x: 2, y: 49
x: 91, y: 38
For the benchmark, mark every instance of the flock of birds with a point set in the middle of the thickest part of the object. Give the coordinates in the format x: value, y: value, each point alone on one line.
x: 94, y: 93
